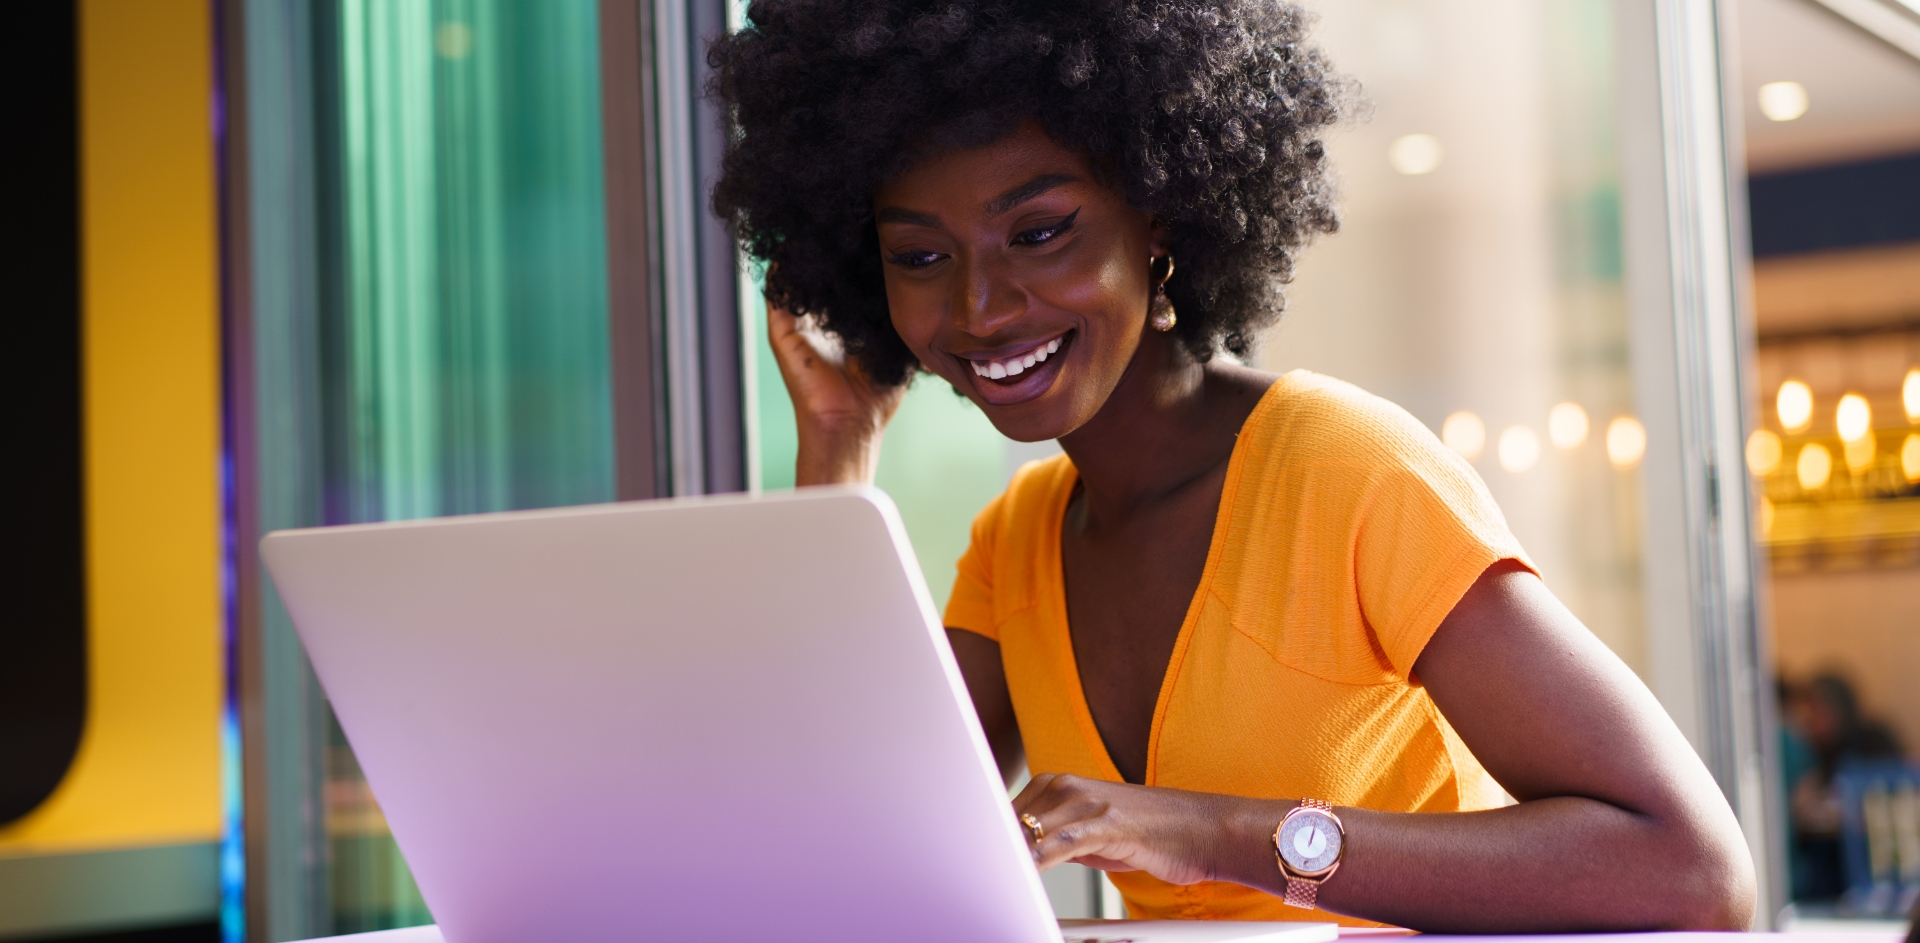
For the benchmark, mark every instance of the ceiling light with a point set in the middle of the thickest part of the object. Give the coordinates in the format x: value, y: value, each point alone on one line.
x: 1794, y: 404
x: 1626, y: 442
x: 1853, y: 418
x: 1910, y: 394
x: 1567, y: 425
x: 1763, y: 452
x: 1783, y: 101
x: 1519, y: 449
x: 1910, y: 457
x: 1415, y: 154
x: 1463, y: 432
x: 1814, y: 467
x: 1858, y: 453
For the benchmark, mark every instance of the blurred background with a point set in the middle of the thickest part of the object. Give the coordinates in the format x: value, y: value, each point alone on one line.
x: 1653, y: 266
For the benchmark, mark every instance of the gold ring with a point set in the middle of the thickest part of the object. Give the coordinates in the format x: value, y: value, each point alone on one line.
x: 1034, y: 828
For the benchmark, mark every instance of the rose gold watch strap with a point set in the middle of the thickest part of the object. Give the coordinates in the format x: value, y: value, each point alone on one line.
x: 1301, y: 892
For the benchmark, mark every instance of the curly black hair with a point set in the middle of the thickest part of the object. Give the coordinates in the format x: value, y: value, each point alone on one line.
x: 1204, y: 113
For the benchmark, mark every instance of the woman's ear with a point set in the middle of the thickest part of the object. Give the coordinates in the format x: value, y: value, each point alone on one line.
x: 1159, y: 240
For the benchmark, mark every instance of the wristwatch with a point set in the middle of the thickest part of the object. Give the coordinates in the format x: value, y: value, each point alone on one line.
x: 1309, y: 843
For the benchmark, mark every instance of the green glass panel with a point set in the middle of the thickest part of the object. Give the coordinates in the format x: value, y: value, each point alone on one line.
x: 474, y: 355
x: 469, y: 364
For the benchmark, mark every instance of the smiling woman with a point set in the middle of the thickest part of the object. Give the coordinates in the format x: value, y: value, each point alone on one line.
x: 1266, y: 644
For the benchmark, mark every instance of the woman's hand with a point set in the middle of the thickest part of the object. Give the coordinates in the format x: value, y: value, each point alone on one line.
x: 839, y: 411
x: 1177, y: 836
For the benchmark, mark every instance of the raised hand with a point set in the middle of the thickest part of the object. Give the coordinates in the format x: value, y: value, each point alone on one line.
x: 840, y: 412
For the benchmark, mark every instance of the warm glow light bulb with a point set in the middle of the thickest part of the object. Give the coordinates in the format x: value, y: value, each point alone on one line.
x: 1794, y: 405
x: 1783, y: 101
x: 1463, y: 432
x: 1853, y: 418
x: 1814, y: 467
x: 1415, y: 154
x: 1858, y: 453
x: 1910, y: 457
x: 1626, y: 442
x: 1763, y: 452
x: 1910, y: 394
x: 1567, y: 425
x: 1519, y: 449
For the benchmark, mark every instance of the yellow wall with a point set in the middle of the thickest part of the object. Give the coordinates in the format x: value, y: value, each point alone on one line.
x: 148, y: 769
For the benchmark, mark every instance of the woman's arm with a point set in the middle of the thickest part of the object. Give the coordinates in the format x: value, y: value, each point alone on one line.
x: 986, y: 679
x: 1618, y: 827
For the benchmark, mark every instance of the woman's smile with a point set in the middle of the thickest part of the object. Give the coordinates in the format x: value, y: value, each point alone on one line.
x: 1017, y: 372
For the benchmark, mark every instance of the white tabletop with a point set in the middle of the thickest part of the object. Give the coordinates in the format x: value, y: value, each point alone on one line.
x: 431, y: 934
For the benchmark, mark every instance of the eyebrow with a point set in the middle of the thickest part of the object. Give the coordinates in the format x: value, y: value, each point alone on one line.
x: 1027, y: 191
x: 994, y: 207
x: 894, y: 214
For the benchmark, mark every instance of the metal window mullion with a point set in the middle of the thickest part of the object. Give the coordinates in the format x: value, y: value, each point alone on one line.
x: 679, y: 245
x: 1704, y: 262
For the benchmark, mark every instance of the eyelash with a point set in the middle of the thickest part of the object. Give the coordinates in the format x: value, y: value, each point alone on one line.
x: 915, y: 259
x: 1045, y: 234
x: 1030, y: 237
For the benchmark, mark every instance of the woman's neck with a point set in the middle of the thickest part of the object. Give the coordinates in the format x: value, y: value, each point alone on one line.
x: 1171, y: 420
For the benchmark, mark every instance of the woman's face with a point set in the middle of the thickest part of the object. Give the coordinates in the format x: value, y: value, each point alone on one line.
x: 1018, y: 278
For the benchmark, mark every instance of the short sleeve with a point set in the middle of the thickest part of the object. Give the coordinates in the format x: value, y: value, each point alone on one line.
x: 971, y: 605
x: 1428, y: 530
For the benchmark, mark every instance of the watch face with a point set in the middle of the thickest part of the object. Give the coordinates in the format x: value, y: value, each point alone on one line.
x: 1310, y: 841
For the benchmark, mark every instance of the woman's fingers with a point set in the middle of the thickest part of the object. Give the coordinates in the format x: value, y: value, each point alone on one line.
x: 839, y: 412
x: 802, y: 365
x: 1073, y: 825
x: 1119, y: 827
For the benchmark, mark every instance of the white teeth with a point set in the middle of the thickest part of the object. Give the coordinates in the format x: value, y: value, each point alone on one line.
x: 1014, y: 366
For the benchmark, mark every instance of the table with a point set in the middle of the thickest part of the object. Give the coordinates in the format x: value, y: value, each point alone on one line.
x: 431, y: 934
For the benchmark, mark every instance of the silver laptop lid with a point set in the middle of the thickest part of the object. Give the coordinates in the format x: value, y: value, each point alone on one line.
x: 713, y: 719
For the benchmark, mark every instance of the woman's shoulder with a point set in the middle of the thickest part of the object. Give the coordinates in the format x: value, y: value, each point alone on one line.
x: 1324, y: 455
x: 1310, y: 418
x: 1037, y: 486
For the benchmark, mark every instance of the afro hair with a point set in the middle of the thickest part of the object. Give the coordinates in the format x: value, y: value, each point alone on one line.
x: 1205, y: 113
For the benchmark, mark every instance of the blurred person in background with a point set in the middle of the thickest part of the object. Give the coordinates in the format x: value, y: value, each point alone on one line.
x: 1822, y: 727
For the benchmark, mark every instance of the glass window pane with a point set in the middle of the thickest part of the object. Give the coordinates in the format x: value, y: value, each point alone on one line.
x: 461, y: 350
x: 1832, y: 132
x: 1477, y: 278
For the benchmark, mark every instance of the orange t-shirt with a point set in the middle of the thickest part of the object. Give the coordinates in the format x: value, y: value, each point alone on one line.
x: 1346, y: 533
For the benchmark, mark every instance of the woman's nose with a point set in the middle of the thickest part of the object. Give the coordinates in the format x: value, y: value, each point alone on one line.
x: 985, y: 299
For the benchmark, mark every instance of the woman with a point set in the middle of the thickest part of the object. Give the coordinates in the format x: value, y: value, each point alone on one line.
x: 1265, y: 644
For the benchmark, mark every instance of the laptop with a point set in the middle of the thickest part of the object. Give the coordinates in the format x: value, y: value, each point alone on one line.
x: 715, y: 719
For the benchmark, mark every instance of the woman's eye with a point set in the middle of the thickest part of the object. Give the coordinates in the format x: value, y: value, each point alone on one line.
x: 915, y: 259
x: 1044, y: 234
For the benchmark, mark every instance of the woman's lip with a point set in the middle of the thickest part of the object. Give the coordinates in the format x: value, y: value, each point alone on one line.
x: 1027, y: 385
x: 1009, y: 350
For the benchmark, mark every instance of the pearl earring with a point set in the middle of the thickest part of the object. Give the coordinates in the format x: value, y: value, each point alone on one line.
x: 1160, y: 313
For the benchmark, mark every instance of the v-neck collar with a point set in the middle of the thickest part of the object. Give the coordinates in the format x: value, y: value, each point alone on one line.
x: 1053, y: 562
